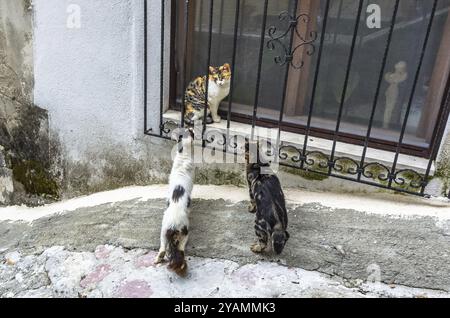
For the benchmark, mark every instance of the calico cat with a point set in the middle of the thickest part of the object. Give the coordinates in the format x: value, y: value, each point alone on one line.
x: 175, y: 224
x: 268, y: 202
x: 218, y: 89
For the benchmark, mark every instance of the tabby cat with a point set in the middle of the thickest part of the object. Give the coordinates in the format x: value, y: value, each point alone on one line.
x: 218, y: 90
x: 267, y: 202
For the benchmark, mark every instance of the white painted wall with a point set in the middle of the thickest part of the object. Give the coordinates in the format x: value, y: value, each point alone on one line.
x: 91, y: 79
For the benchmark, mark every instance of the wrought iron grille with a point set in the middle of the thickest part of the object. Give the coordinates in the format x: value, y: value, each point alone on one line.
x: 327, y: 163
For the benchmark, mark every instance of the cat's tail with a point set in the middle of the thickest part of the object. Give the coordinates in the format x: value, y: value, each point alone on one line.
x: 177, y: 262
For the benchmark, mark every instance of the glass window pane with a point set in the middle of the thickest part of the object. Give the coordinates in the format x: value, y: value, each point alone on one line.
x: 398, y: 77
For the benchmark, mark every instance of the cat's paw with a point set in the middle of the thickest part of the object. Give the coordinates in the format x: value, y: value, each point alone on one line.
x: 217, y: 119
x: 252, y: 208
x: 257, y: 248
x: 159, y: 258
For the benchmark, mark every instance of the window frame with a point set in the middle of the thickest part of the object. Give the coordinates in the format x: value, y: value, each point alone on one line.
x: 430, y: 152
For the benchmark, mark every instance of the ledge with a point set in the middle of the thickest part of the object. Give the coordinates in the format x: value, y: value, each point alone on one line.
x: 384, y: 157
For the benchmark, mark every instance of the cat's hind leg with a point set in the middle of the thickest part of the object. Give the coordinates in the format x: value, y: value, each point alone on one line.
x: 263, y: 238
x: 184, y: 239
x: 162, y: 250
x: 258, y: 247
x: 160, y: 257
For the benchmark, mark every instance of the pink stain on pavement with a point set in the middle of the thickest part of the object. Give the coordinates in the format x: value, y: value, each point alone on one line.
x: 102, y: 252
x: 96, y: 276
x: 244, y: 276
x: 145, y: 260
x: 135, y: 289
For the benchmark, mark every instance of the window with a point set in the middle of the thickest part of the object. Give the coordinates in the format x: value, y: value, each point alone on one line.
x: 394, y: 94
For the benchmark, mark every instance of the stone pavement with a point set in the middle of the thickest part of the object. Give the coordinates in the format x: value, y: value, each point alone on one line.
x: 116, y: 272
x: 104, y: 248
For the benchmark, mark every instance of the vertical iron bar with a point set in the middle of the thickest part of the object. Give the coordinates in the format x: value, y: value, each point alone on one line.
x: 316, y: 78
x: 185, y: 75
x: 260, y: 61
x: 344, y: 92
x: 378, y: 90
x: 286, y: 78
x: 233, y: 67
x: 145, y: 68
x: 161, y: 92
x: 411, y: 98
x: 211, y: 12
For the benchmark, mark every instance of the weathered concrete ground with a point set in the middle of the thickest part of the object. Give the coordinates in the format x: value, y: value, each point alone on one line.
x: 106, y: 251
x: 116, y: 272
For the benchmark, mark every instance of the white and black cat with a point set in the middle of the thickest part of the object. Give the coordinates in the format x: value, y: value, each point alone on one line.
x: 175, y: 224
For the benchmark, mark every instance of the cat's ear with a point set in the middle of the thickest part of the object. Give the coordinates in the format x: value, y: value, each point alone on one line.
x: 227, y: 67
x: 212, y: 70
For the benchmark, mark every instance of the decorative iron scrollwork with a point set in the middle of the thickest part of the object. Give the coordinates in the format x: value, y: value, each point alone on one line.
x: 317, y: 158
x: 296, y: 154
x: 406, y: 180
x: 376, y: 171
x: 167, y: 127
x: 288, y: 53
x: 217, y: 139
x: 232, y: 142
x: 409, y: 178
x: 317, y: 161
x: 346, y: 165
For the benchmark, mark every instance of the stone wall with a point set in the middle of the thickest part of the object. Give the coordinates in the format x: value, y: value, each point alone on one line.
x: 24, y: 145
x: 16, y: 60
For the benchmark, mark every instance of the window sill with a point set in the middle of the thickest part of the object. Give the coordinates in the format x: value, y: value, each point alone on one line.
x: 323, y: 145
